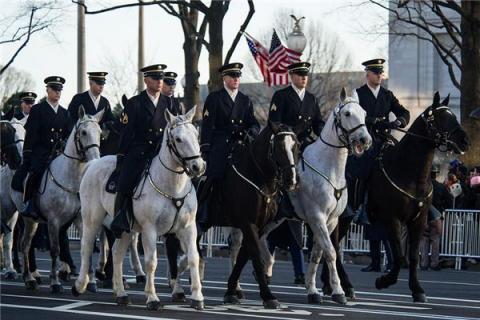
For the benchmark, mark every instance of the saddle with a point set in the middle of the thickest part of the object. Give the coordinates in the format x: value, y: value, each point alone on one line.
x: 112, y: 182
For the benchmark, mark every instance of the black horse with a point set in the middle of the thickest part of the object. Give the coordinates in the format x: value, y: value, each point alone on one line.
x: 400, y: 190
x: 248, y: 196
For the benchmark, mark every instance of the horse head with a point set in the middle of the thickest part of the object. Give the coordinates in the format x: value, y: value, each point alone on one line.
x: 349, y: 122
x: 20, y: 132
x: 443, y: 126
x: 10, y: 155
x: 181, y: 138
x: 284, y: 152
x: 84, y: 140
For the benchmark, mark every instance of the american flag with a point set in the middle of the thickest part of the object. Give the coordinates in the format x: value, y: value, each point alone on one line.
x: 280, y: 57
x: 263, y: 58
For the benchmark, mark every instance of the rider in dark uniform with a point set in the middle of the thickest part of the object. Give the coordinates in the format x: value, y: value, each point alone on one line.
x: 141, y: 138
x: 228, y: 116
x: 47, y: 130
x: 167, y: 98
x: 92, y: 100
x: 378, y: 102
x: 27, y: 101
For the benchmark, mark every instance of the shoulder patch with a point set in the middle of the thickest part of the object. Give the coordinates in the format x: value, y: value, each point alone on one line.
x: 205, y: 114
x: 274, y: 107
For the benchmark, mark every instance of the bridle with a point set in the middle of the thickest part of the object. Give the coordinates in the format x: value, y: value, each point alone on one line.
x: 344, y: 135
x: 172, y: 148
x: 79, y: 147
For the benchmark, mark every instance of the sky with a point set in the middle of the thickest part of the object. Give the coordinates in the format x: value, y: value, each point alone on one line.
x: 111, y: 38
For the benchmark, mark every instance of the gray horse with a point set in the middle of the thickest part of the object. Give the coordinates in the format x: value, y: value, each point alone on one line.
x: 58, y: 198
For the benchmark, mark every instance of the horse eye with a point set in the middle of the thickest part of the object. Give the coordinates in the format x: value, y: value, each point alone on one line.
x: 84, y: 133
x: 178, y: 140
x: 347, y: 114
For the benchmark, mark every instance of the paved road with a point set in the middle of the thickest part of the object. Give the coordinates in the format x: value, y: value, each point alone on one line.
x: 451, y: 295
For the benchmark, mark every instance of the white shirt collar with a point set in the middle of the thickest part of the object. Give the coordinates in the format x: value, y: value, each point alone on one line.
x: 153, y: 99
x: 95, y: 100
x: 53, y: 105
x: 231, y: 93
x: 300, y: 92
x: 374, y: 91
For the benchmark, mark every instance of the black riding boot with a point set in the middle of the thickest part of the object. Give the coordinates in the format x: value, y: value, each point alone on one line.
x: 30, y: 210
x: 361, y: 215
x: 205, y: 191
x: 121, y: 221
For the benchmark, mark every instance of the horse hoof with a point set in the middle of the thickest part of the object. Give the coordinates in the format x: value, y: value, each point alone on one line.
x: 107, y: 284
x: 31, y: 285
x: 231, y: 299
x: 339, y: 298
x: 271, y: 304
x: 38, y: 280
x: 123, y: 301
x: 75, y: 292
x: 197, y: 305
x: 64, y: 276
x: 154, y: 305
x: 56, y: 289
x: 314, y: 298
x: 419, y: 297
x: 379, y: 284
x: 178, y: 297
x: 240, y: 295
x: 327, y: 291
x: 350, y: 293
x: 92, y: 287
x: 10, y: 275
x: 100, y: 275
x: 141, y: 279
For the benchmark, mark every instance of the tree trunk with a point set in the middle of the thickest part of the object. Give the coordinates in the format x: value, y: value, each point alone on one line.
x: 470, y: 82
x: 215, y: 33
x: 191, y: 56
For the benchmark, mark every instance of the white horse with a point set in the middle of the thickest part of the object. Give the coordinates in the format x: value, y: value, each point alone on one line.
x: 165, y: 203
x: 8, y: 210
x: 322, y: 194
x: 58, y: 198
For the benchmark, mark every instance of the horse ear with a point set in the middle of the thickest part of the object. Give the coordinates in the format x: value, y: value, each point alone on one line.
x: 99, y: 115
x: 9, y: 115
x: 191, y: 113
x: 168, y: 116
x: 445, y: 101
x: 274, y: 126
x: 124, y: 100
x: 436, y: 99
x: 343, y: 94
x: 81, y: 112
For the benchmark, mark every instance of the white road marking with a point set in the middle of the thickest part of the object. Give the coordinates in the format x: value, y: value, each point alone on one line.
x: 74, y: 305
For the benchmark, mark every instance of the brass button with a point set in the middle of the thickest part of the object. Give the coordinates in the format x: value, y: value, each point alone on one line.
x: 299, y: 117
x: 241, y: 121
x: 233, y: 121
x: 51, y: 140
x: 53, y: 129
x: 150, y: 141
x: 150, y: 130
x: 60, y: 129
x: 160, y: 129
x: 309, y: 118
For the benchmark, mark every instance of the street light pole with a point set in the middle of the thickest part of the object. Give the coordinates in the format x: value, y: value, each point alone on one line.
x: 81, y: 68
x: 296, y: 39
x: 141, y: 55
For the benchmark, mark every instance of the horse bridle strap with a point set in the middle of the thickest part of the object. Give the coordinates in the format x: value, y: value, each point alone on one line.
x: 421, y: 200
x: 344, y: 136
x: 337, y: 192
x: 172, y: 147
x: 267, y: 196
x: 177, y: 202
x: 60, y: 185
x: 82, y: 149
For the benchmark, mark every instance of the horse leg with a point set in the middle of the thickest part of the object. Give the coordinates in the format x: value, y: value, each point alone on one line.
x: 267, y: 257
x: 90, y: 225
x: 232, y: 296
x: 188, y: 237
x: 118, y: 253
x: 149, y: 241
x: 415, y: 231
x: 251, y: 242
x: 28, y: 233
x: 102, y: 256
x: 395, y: 231
x: 10, y: 273
x: 53, y: 235
x: 172, y: 247
x: 135, y: 259
x: 236, y: 238
x: 66, y: 261
x: 17, y: 236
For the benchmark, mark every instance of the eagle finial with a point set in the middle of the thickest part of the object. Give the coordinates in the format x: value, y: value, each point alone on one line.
x: 297, y: 21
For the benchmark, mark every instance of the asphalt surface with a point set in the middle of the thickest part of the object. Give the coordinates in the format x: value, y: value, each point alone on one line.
x: 451, y: 295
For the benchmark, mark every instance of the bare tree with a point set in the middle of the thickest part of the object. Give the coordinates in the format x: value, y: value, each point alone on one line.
x: 325, y: 51
x: 12, y: 82
x: 194, y: 34
x: 460, y: 21
x: 120, y: 79
x: 31, y: 18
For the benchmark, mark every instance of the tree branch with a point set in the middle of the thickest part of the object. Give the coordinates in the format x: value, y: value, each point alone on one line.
x: 193, y: 4
x: 251, y: 11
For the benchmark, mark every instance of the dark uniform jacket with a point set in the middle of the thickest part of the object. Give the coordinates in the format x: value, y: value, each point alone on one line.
x: 141, y: 138
x: 87, y: 103
x: 223, y: 120
x: 303, y: 116
x: 45, y: 132
x: 172, y: 103
x: 18, y: 114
